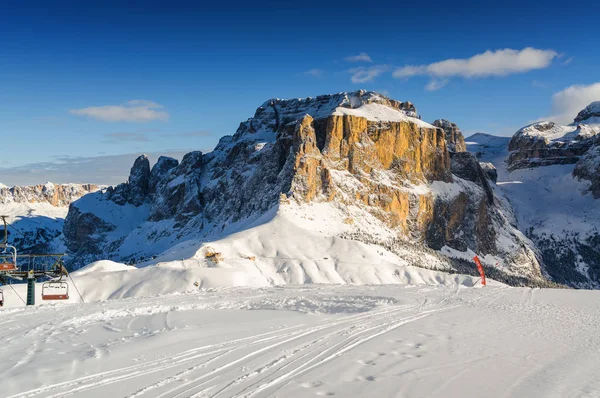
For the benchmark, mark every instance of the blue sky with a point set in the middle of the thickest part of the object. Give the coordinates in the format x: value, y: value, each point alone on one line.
x: 71, y: 72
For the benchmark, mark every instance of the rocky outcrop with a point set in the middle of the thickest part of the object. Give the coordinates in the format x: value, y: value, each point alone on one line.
x: 84, y: 232
x: 589, y: 168
x: 490, y: 170
x: 136, y: 189
x: 466, y: 166
x: 454, y: 137
x: 57, y: 195
x: 163, y: 165
x: 359, y: 150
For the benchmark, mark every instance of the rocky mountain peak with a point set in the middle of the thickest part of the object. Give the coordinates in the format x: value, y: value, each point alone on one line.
x: 590, y: 111
x: 454, y: 137
x: 359, y: 152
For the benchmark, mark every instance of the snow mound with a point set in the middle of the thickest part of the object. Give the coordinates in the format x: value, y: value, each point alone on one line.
x: 291, y: 245
x: 381, y: 113
x: 103, y: 266
x: 549, y: 132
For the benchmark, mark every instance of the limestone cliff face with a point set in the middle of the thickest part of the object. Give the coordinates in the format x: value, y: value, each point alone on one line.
x: 359, y: 150
x: 381, y: 159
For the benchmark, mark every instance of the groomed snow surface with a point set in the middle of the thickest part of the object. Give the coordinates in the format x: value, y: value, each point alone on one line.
x: 303, y: 341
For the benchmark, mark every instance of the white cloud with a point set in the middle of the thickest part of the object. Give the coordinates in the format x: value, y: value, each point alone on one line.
x: 410, y: 70
x: 490, y: 63
x: 315, y: 72
x: 362, y: 57
x: 436, y: 84
x: 568, y: 61
x: 367, y: 73
x: 132, y: 111
x: 567, y: 103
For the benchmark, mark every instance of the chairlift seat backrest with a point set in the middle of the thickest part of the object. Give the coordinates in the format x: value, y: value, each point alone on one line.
x: 7, y: 267
x: 55, y: 291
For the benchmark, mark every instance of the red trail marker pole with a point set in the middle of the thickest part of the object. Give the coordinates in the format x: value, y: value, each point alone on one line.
x: 480, y: 269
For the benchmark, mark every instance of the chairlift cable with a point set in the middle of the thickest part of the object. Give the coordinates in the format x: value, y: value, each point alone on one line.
x: 19, y: 232
x: 75, y: 286
x: 11, y: 286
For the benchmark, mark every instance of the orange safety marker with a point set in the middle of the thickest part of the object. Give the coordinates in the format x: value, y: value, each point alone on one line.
x: 480, y: 269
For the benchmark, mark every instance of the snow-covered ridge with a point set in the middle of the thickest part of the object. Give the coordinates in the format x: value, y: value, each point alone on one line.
x: 368, y: 104
x: 547, y: 143
x: 590, y: 114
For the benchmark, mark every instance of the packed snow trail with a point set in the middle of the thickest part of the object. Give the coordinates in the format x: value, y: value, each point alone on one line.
x: 308, y: 341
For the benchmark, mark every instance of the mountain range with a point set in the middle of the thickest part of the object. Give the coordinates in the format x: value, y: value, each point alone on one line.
x: 346, y: 188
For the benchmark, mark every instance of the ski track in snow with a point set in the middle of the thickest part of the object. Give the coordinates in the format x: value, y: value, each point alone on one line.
x: 308, y: 341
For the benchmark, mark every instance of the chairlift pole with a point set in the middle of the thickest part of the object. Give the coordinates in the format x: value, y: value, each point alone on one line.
x: 30, y: 288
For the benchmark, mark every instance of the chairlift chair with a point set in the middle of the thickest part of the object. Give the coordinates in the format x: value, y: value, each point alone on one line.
x: 55, y: 290
x: 8, y: 259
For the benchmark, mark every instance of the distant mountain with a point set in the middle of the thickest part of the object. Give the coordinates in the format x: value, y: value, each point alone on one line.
x: 36, y: 213
x: 551, y: 176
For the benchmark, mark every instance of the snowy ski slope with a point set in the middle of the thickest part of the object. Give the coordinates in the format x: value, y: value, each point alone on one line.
x: 311, y: 340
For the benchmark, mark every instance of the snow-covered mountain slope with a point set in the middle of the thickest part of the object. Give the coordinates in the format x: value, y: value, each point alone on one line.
x: 385, y: 176
x: 36, y: 213
x: 553, y: 208
x: 310, y: 340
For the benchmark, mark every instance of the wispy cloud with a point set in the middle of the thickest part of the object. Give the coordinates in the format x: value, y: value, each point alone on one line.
x: 436, y: 84
x: 362, y: 57
x: 132, y: 111
x: 315, y: 72
x: 490, y: 63
x: 568, y: 102
x: 364, y: 74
